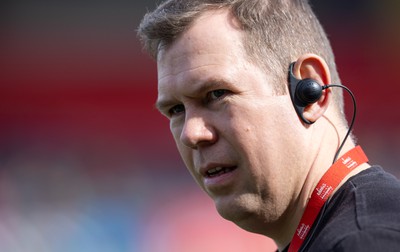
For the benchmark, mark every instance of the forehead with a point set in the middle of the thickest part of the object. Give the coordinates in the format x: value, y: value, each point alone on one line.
x: 214, y: 37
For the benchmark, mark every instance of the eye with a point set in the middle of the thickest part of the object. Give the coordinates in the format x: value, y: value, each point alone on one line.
x: 216, y: 94
x: 177, y: 109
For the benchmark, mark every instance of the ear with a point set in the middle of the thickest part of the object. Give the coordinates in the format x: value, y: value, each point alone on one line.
x: 314, y: 67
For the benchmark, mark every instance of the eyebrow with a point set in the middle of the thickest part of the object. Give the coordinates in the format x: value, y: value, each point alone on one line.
x: 203, y: 86
x: 162, y: 105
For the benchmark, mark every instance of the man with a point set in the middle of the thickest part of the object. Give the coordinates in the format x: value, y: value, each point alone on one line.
x: 223, y: 84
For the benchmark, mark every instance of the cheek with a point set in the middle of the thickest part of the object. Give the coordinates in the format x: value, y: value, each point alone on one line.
x: 185, y: 152
x: 176, y: 131
x: 266, y: 135
x: 176, y: 136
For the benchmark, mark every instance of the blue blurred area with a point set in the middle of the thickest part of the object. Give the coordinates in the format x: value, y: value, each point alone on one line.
x: 86, y: 162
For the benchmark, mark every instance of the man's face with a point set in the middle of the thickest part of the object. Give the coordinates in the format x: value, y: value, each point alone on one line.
x: 241, y: 143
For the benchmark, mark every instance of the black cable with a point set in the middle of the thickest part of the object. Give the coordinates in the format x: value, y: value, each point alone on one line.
x: 352, y: 120
x: 322, y: 212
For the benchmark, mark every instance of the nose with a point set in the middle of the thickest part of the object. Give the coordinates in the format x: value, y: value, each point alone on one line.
x: 197, y: 132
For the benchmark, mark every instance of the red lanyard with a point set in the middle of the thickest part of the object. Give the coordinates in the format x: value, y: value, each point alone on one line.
x: 328, y: 183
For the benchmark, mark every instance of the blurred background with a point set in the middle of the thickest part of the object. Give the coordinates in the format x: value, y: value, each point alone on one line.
x: 86, y: 162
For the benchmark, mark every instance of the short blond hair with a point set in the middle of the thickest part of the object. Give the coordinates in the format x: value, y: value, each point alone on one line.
x: 276, y: 32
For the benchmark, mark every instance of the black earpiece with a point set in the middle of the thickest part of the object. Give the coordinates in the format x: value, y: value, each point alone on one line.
x: 303, y: 92
x: 307, y: 91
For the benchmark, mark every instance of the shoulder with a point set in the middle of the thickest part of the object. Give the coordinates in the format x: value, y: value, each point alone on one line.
x: 365, y: 210
x: 377, y: 199
x: 376, y: 239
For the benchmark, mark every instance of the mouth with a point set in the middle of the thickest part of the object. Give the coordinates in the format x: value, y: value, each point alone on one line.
x: 218, y: 171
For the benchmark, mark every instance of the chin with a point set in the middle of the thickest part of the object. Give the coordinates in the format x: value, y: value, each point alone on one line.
x: 248, y: 214
x: 241, y: 212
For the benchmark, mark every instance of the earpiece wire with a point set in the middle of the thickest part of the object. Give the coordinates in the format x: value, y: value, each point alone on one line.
x: 352, y: 120
x: 335, y: 158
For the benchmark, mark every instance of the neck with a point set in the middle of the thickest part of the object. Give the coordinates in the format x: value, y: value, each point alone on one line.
x: 317, y: 170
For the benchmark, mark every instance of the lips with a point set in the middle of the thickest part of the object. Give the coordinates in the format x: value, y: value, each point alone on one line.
x: 218, y: 178
x: 219, y: 170
x: 214, y: 169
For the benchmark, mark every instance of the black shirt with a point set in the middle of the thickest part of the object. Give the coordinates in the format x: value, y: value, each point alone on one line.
x: 363, y: 215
